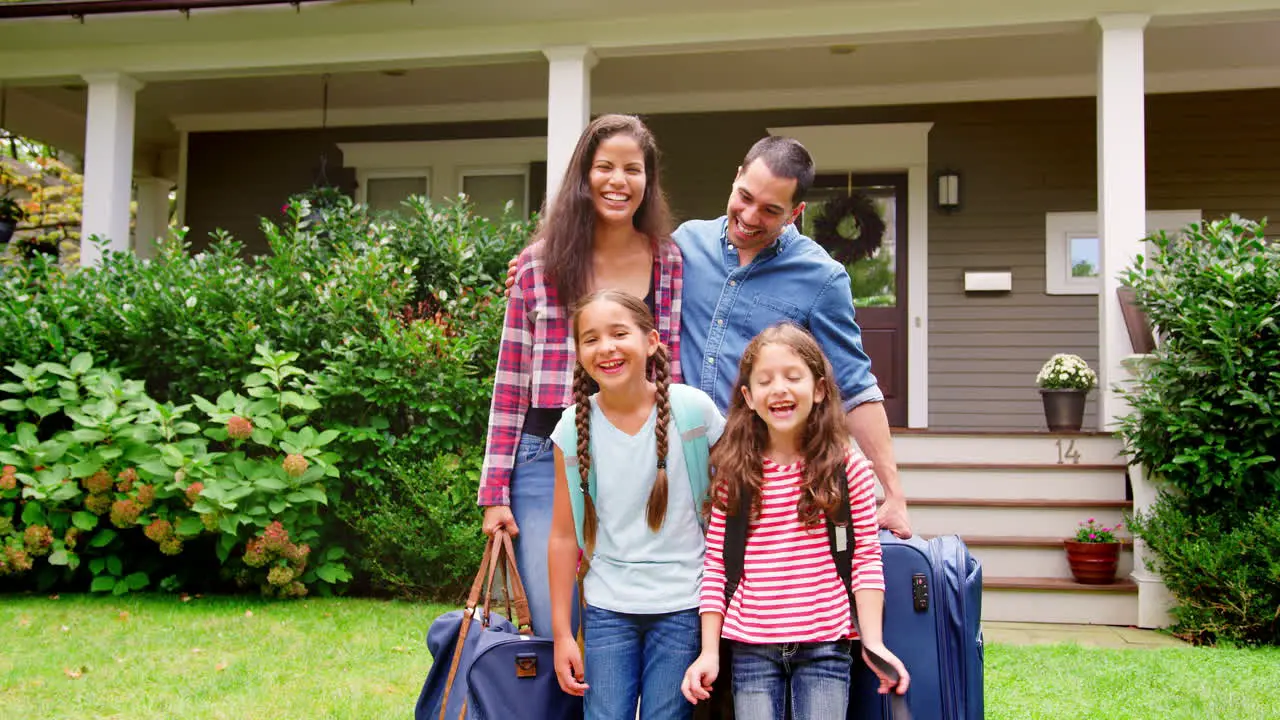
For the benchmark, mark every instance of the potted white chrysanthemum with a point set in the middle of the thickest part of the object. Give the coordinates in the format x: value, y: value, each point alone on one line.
x: 1064, y: 382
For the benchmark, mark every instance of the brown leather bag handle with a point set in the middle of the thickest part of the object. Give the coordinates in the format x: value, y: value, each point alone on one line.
x: 518, y: 599
x: 473, y: 599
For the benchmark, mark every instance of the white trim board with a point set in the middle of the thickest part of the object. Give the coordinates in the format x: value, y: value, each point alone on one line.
x: 1064, y: 86
x: 893, y: 147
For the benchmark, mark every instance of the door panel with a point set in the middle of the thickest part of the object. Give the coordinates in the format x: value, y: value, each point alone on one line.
x: 878, y: 282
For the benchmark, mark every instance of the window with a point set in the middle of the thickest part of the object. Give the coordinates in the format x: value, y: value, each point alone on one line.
x: 1073, y: 253
x: 491, y: 188
x: 387, y: 190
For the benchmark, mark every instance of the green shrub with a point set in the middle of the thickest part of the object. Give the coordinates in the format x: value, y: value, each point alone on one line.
x: 1225, y: 573
x: 419, y: 528
x: 394, y: 321
x: 1205, y: 423
x: 1207, y: 411
x: 108, y: 487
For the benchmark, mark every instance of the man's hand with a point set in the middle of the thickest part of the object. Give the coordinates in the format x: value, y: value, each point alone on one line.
x: 499, y: 516
x: 892, y: 516
x: 511, y: 277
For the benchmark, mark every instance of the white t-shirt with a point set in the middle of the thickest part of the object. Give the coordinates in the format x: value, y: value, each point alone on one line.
x: 636, y: 570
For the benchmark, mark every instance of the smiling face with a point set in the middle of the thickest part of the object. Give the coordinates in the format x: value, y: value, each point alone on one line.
x: 760, y: 207
x: 782, y: 390
x: 611, y: 346
x: 617, y: 179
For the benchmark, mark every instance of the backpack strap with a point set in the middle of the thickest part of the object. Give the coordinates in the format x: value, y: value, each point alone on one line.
x: 692, y: 426
x: 577, y: 501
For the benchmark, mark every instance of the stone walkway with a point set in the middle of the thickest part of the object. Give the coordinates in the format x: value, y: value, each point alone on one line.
x: 1014, y: 633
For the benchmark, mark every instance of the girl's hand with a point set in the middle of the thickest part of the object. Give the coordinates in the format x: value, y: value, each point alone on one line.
x: 886, y: 683
x: 699, y: 678
x: 569, y: 666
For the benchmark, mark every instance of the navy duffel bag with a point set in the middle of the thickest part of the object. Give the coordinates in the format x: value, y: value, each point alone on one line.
x: 496, y: 669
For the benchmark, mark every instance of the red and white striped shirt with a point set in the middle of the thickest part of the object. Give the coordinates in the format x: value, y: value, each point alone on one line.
x: 790, y: 591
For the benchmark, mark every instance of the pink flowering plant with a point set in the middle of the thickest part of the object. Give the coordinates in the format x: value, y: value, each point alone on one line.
x: 1091, y: 531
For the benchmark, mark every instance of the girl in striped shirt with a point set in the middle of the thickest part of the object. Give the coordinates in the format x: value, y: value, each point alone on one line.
x: 788, y: 621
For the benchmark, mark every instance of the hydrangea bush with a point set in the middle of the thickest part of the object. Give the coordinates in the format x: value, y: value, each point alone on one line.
x: 1066, y: 372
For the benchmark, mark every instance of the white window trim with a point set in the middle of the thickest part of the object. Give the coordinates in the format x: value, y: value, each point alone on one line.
x: 1061, y: 228
x: 443, y: 159
x: 480, y: 170
x: 364, y: 176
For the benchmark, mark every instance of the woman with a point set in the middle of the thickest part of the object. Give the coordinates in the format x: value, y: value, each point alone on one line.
x: 609, y: 227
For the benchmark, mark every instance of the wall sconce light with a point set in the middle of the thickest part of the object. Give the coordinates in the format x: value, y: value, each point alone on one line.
x: 948, y: 191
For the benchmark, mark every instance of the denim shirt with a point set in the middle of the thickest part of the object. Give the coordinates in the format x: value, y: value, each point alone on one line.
x: 726, y: 305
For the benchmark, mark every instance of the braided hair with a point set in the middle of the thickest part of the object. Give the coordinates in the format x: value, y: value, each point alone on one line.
x: 660, y: 372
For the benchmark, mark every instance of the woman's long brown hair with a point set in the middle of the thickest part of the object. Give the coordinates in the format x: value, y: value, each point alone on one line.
x: 568, y: 225
x: 738, y: 456
x: 656, y: 509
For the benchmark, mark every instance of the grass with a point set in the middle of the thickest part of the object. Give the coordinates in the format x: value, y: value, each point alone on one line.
x: 154, y: 657
x: 1071, y: 681
x: 157, y: 657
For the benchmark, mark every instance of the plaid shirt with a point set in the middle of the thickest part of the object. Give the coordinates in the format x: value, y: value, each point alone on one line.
x: 536, y: 358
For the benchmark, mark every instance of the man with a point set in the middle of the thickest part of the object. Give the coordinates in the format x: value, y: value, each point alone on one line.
x: 751, y: 269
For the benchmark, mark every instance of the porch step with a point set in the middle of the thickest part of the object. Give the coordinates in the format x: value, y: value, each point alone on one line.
x: 1056, y: 600
x: 1055, y: 518
x: 1032, y: 557
x: 1012, y: 481
x: 1030, y: 448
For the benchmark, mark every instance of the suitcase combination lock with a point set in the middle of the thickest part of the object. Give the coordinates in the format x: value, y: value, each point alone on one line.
x: 920, y: 592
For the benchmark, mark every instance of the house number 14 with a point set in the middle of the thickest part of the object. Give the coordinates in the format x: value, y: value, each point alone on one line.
x: 1068, y: 452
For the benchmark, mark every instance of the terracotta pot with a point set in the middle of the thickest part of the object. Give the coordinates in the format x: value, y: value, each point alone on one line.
x: 1064, y: 409
x: 1093, y: 563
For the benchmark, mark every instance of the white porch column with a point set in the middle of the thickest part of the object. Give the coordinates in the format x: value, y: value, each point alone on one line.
x: 153, y: 215
x: 1122, y: 191
x: 108, y: 163
x: 1122, y: 228
x: 568, y: 106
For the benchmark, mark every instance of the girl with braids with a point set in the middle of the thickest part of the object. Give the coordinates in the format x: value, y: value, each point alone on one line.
x: 608, y: 226
x: 789, y: 621
x: 620, y: 451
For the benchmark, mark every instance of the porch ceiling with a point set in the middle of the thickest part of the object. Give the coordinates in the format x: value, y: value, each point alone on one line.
x: 940, y: 70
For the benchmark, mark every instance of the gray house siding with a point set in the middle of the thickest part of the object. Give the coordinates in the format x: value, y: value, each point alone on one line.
x: 236, y: 178
x: 1018, y: 161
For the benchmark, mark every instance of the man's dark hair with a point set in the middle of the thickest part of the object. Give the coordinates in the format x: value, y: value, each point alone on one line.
x: 786, y: 158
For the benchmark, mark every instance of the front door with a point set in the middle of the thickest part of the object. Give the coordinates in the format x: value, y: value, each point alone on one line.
x: 876, y: 258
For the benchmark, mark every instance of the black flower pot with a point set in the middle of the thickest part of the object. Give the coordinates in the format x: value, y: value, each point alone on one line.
x: 6, y: 230
x: 31, y: 250
x: 1064, y: 409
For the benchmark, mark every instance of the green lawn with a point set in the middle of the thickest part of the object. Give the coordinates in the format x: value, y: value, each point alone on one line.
x: 157, y: 657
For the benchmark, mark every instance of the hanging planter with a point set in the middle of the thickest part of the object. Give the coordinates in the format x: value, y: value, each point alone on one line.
x: 10, y: 215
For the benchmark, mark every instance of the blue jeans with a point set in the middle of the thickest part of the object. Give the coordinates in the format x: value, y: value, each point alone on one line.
x: 533, y: 482
x: 639, y: 657
x: 812, y: 678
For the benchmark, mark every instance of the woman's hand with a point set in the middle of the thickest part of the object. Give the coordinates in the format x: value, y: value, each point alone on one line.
x: 499, y: 516
x: 569, y: 666
x: 700, y: 676
x: 886, y: 683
